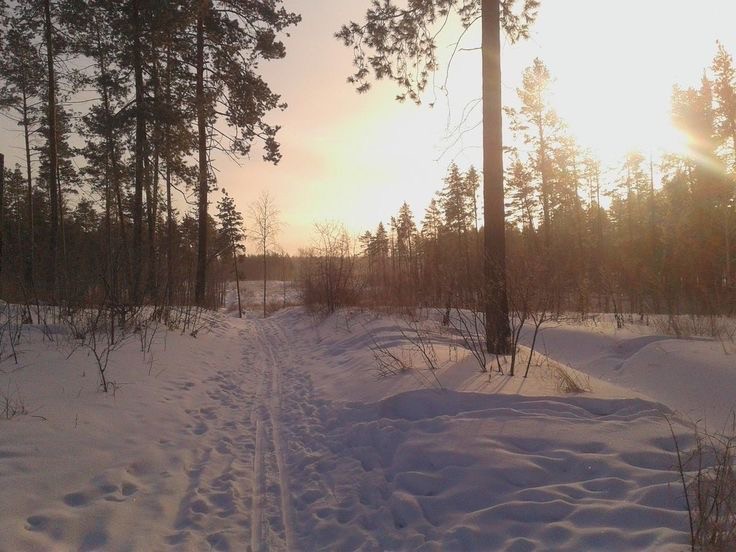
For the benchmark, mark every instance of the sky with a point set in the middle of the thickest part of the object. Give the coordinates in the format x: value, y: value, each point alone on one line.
x: 354, y: 158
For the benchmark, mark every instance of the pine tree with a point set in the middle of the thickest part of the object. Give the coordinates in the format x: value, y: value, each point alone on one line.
x: 472, y: 184
x: 406, y: 230
x: 233, y: 235
x: 231, y: 37
x: 21, y: 75
x: 724, y: 92
x: 399, y: 43
x: 539, y: 126
x: 519, y: 181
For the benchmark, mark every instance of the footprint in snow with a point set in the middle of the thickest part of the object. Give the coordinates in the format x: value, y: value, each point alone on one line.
x: 76, y: 500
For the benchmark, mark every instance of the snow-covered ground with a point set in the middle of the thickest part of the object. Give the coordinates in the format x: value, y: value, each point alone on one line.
x: 276, y: 434
x: 279, y: 294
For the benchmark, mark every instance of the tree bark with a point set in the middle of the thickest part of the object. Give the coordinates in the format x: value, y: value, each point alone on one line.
x: 152, y: 188
x: 52, y: 153
x: 200, y: 285
x: 30, y: 245
x: 2, y: 213
x: 237, y: 282
x: 140, y: 138
x: 498, y: 331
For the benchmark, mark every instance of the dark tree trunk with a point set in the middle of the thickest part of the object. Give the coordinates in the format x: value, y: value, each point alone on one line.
x: 140, y: 139
x: 152, y: 188
x: 199, y: 289
x: 498, y: 331
x: 30, y: 244
x: 237, y: 282
x: 112, y: 186
x: 265, y: 277
x: 167, y: 159
x: 53, y: 155
x: 169, y: 239
x: 2, y: 214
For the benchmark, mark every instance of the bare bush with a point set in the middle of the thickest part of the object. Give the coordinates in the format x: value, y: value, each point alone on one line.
x: 390, y: 362
x: 188, y: 319
x: 567, y: 381
x: 421, y: 340
x: 11, y: 403
x: 708, y: 476
x: 100, y: 331
x: 684, y: 326
x: 530, y: 299
x: 11, y: 330
x: 470, y: 325
x: 328, y: 275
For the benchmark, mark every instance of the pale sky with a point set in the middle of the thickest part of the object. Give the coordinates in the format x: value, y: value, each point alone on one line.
x: 355, y: 158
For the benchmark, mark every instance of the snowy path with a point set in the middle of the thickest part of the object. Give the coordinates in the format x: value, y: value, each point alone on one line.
x: 256, y: 437
x: 239, y: 487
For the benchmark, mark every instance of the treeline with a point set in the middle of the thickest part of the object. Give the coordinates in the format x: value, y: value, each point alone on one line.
x: 588, y: 239
x: 120, y: 107
x: 279, y: 266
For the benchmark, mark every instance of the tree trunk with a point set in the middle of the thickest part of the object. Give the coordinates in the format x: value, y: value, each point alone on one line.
x: 30, y: 244
x: 169, y: 207
x: 140, y: 139
x: 169, y: 237
x: 498, y: 331
x: 545, y: 185
x: 53, y: 155
x: 264, y: 279
x: 2, y: 214
x: 152, y: 188
x: 200, y: 284
x: 237, y: 282
x: 112, y: 186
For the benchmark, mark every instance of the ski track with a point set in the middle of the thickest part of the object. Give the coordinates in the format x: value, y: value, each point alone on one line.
x: 216, y: 510
x: 238, y: 493
x: 274, y: 406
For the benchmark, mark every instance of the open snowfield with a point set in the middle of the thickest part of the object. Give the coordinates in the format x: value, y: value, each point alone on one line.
x: 276, y: 434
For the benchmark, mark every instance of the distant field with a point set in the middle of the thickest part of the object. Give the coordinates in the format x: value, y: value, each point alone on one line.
x: 278, y: 294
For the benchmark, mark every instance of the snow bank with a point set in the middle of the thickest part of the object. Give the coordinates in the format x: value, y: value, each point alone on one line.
x: 694, y: 376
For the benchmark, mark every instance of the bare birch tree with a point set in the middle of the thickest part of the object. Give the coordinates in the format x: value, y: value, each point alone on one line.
x: 265, y: 226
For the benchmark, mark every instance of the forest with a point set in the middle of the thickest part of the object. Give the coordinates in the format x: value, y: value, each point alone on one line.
x: 117, y: 128
x: 538, y: 357
x: 126, y: 213
x: 591, y: 238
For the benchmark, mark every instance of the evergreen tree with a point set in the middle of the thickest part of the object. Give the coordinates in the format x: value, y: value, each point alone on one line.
x: 539, y: 126
x: 21, y: 81
x: 231, y: 37
x: 233, y: 236
x: 401, y: 42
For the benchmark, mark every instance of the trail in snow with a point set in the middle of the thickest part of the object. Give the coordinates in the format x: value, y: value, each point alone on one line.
x: 239, y: 486
x: 216, y: 509
x: 272, y: 371
x: 274, y: 435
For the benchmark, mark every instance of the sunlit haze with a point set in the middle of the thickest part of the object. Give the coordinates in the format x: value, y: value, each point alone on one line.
x: 354, y: 158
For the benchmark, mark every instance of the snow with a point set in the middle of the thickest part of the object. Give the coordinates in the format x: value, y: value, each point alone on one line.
x: 276, y: 434
x: 695, y: 376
